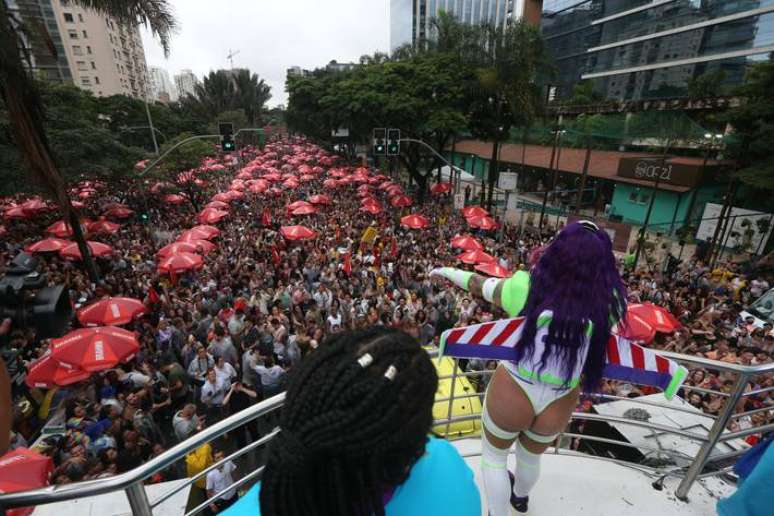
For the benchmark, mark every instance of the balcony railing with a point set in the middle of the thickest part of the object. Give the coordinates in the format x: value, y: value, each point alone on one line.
x: 131, y: 482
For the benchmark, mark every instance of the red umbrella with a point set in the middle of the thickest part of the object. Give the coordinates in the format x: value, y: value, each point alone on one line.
x: 23, y: 469
x: 181, y: 262
x: 658, y: 317
x: 297, y: 233
x: 306, y: 178
x: 115, y: 205
x: 174, y: 199
x: 401, y: 201
x: 476, y: 257
x: 34, y: 206
x: 482, y: 222
x: 466, y: 242
x: 297, y: 204
x: 304, y: 210
x: 77, y: 204
x: 119, y: 212
x: 223, y: 197
x: 474, y: 211
x: 46, y: 373
x: 273, y: 176
x: 103, y: 226
x: 440, y: 188
x: 320, y: 199
x: 236, y: 194
x: 111, y: 311
x: 203, y: 232
x: 98, y: 249
x: 211, y: 216
x: 330, y: 183
x: 217, y: 205
x: 636, y: 328
x: 493, y: 269
x: 203, y: 246
x: 176, y: 247
x: 95, y: 349
x: 48, y: 245
x: 15, y: 212
x: 62, y: 229
x: 414, y: 222
x: 373, y: 209
x: 258, y: 187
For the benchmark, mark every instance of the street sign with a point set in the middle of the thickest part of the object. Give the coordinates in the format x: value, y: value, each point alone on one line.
x: 508, y: 181
x: 341, y: 132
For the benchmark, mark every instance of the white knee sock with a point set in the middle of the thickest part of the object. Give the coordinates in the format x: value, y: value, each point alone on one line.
x: 497, y: 485
x: 527, y: 470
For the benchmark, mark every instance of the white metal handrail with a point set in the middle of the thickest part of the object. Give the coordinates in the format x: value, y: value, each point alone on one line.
x: 131, y: 481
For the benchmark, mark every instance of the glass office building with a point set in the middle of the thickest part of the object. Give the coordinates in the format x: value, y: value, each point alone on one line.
x: 410, y: 19
x: 646, y: 49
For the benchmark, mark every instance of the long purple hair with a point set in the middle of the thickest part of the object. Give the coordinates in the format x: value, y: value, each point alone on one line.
x: 577, y: 279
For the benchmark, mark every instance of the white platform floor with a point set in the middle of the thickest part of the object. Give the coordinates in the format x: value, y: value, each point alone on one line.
x: 116, y: 504
x: 575, y: 486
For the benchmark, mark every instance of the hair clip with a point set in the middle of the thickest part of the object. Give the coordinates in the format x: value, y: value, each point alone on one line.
x: 587, y: 224
x: 366, y: 360
x: 391, y: 372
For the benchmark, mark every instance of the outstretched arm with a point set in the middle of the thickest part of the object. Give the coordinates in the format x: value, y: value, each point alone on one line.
x: 509, y: 294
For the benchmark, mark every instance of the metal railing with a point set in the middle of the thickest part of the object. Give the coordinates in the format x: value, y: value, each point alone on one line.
x: 131, y: 482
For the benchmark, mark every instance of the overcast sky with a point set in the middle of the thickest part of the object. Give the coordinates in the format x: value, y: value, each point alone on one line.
x: 271, y: 36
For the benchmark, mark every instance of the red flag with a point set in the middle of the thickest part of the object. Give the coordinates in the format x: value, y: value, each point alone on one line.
x: 266, y: 217
x: 275, y: 256
x: 394, y: 248
x: 338, y: 234
x: 377, y: 256
x: 348, y: 264
x: 153, y: 296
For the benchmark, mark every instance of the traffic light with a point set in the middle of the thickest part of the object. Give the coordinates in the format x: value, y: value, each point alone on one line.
x: 380, y: 143
x: 226, y: 131
x: 393, y: 142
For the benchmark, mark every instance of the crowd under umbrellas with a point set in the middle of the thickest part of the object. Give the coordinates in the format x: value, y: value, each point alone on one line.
x: 302, y: 198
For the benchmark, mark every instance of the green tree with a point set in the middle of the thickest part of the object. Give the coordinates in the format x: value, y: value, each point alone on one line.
x: 752, y: 138
x: 707, y: 85
x: 509, y: 64
x: 226, y: 90
x: 26, y: 111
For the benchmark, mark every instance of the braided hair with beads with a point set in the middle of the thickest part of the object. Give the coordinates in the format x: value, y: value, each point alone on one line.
x: 356, y: 418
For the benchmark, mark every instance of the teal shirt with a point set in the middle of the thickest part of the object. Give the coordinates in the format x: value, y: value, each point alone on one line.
x: 439, y: 483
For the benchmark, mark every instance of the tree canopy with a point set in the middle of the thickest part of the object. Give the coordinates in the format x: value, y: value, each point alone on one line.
x: 229, y: 90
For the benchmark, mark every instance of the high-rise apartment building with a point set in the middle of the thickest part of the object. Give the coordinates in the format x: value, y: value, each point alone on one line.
x: 641, y: 49
x: 160, y: 86
x: 410, y: 19
x: 185, y: 82
x: 105, y: 57
x: 42, y: 61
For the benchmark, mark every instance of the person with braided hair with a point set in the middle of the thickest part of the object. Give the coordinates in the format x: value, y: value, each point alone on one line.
x: 354, y: 437
x: 571, y: 299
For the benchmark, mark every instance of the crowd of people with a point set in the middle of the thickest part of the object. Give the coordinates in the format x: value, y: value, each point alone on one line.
x: 218, y: 339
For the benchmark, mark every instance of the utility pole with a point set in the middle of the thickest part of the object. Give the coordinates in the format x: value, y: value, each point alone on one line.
x: 557, y: 141
x: 641, y: 237
x: 150, y: 120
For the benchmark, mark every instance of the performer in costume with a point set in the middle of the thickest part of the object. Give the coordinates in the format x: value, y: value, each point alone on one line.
x: 573, y: 297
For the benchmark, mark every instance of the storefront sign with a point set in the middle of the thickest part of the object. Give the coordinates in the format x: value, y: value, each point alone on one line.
x: 618, y: 231
x: 666, y: 172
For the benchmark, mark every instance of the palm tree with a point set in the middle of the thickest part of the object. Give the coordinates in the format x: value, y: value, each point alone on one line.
x: 508, y: 67
x: 230, y: 91
x: 23, y: 102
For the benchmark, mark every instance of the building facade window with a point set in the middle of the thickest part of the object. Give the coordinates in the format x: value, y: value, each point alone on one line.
x: 77, y: 50
x: 80, y: 17
x: 86, y: 81
x: 81, y: 65
x: 93, y: 65
x: 68, y: 18
x: 96, y: 80
x: 73, y: 34
x: 85, y: 35
x: 88, y: 49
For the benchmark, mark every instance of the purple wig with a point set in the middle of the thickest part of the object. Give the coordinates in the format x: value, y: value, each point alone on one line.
x: 577, y: 279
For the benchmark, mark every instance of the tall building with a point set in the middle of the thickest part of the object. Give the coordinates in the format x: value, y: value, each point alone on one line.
x: 160, y: 87
x: 41, y: 59
x: 185, y: 83
x: 410, y: 19
x: 105, y: 57
x: 633, y: 49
